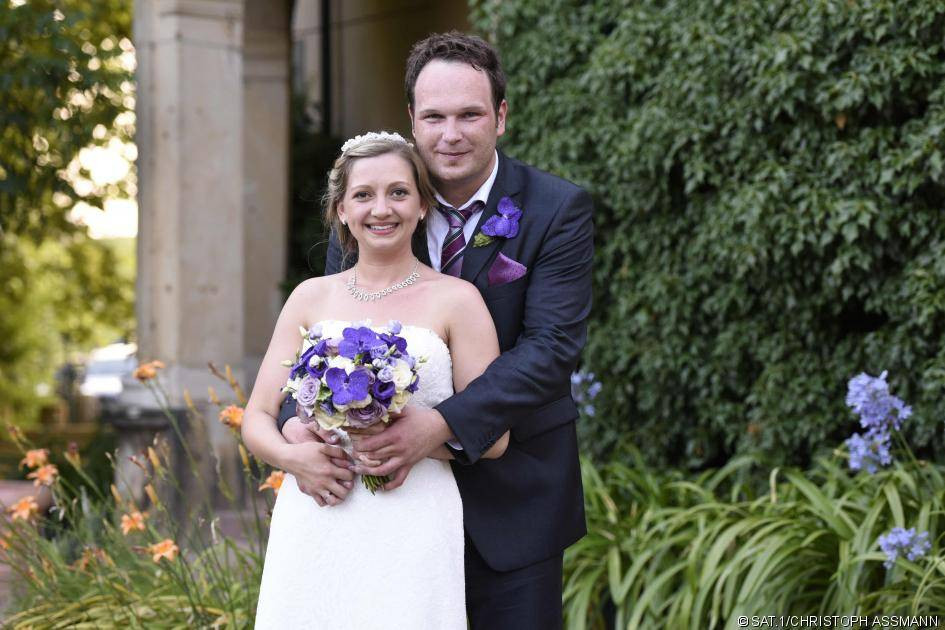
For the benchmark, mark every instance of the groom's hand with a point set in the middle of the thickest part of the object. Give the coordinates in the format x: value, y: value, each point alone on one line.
x: 416, y: 433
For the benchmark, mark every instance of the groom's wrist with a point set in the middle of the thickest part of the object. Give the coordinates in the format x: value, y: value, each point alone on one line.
x: 444, y: 432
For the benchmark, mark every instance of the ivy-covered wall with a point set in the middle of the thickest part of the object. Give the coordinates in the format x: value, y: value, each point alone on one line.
x: 769, y: 179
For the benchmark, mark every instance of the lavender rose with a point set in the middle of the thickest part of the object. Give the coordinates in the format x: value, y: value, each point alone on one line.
x: 366, y: 416
x: 308, y: 391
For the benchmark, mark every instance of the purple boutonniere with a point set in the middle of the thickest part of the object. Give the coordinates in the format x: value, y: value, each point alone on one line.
x: 502, y: 225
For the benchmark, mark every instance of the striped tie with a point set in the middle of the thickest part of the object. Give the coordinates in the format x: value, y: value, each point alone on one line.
x: 451, y: 260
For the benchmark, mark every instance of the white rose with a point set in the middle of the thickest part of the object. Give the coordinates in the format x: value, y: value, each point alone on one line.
x: 293, y: 385
x: 399, y: 401
x: 403, y: 375
x: 339, y: 361
x: 329, y: 421
x: 360, y: 404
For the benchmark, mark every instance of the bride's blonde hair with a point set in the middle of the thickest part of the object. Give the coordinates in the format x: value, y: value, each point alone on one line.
x: 371, y: 145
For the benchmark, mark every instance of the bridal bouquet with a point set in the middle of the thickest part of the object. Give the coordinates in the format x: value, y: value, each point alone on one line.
x: 355, y: 380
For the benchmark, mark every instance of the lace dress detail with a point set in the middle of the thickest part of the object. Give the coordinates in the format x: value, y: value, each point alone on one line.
x: 384, y: 561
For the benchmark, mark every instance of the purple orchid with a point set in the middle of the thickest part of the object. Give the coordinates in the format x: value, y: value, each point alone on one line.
x: 505, y: 223
x: 358, y: 341
x: 347, y: 388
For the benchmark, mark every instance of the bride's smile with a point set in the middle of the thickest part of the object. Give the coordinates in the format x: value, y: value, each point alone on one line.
x: 382, y: 205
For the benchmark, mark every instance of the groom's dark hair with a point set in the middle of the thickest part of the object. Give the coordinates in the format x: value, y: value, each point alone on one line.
x: 456, y: 46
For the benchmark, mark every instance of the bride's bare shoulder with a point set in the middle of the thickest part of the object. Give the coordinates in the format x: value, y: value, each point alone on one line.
x: 453, y: 289
x: 314, y: 290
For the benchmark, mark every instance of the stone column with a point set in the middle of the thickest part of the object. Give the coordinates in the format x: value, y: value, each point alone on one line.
x: 191, y: 290
x: 266, y: 137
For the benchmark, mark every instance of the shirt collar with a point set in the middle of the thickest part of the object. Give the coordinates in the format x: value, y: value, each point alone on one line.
x: 480, y: 195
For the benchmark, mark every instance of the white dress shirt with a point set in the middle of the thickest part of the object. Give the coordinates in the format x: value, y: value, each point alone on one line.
x: 438, y: 227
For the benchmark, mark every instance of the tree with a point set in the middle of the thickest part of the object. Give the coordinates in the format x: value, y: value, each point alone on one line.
x: 63, y: 85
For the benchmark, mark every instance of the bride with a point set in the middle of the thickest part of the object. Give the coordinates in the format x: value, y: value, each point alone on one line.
x: 339, y: 556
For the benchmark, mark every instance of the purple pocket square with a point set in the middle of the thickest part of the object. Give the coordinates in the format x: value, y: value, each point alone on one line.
x: 505, y: 270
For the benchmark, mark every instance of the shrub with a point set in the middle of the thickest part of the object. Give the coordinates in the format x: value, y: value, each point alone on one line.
x: 769, y: 179
x: 699, y: 552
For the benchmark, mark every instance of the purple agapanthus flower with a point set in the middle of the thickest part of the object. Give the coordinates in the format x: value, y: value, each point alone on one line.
x: 869, y: 451
x: 347, y: 388
x: 584, y: 389
x: 905, y: 542
x: 358, y: 341
x: 505, y: 223
x: 879, y: 410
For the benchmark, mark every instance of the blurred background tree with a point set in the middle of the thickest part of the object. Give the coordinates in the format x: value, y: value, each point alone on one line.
x: 66, y: 92
x: 770, y: 179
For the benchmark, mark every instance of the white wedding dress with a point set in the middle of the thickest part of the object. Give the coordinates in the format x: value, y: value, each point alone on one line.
x: 384, y: 561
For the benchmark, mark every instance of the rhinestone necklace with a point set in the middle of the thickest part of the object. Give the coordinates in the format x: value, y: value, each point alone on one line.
x: 365, y: 296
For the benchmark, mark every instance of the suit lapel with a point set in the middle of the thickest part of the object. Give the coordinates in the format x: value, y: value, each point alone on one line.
x: 507, y: 184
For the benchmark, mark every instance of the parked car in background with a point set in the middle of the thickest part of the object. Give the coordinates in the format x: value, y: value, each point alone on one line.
x: 105, y: 368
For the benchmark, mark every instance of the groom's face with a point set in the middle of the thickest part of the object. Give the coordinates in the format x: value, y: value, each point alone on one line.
x: 455, y: 124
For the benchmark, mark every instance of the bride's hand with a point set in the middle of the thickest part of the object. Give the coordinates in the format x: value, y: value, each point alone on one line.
x: 319, y: 473
x: 295, y: 431
x: 357, y: 435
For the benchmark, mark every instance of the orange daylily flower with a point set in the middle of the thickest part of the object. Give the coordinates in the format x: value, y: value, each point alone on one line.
x: 25, y: 509
x: 164, y: 549
x: 132, y: 522
x: 273, y: 481
x: 147, y: 371
x: 44, y: 475
x: 35, y: 458
x: 232, y: 416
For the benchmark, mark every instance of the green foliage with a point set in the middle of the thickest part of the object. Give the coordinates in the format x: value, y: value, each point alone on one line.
x: 60, y: 78
x: 667, y: 551
x: 62, y: 85
x: 769, y: 180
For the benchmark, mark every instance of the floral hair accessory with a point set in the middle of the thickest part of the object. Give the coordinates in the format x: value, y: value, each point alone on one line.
x: 370, y: 136
x: 502, y: 225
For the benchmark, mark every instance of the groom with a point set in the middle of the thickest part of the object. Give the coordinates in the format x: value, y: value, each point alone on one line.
x: 522, y: 510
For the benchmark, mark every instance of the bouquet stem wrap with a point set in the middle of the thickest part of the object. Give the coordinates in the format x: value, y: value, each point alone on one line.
x: 372, y: 482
